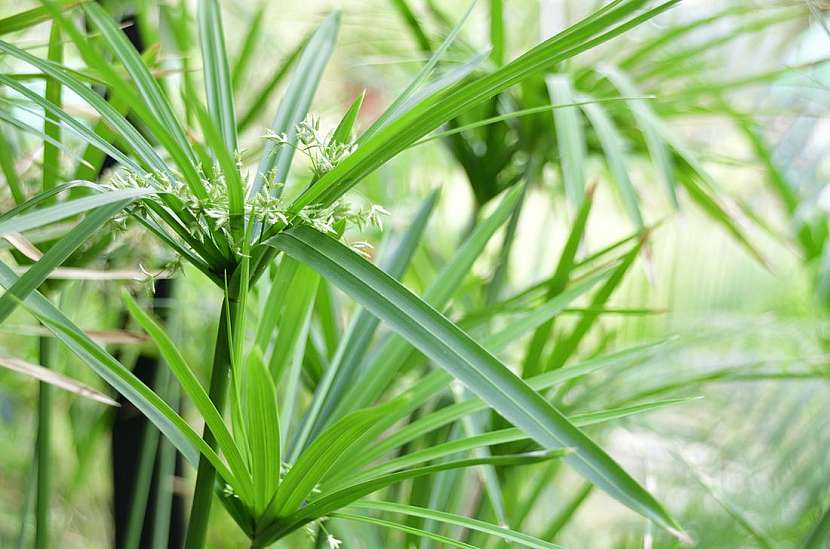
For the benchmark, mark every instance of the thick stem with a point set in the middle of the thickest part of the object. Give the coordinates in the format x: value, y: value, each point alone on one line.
x: 44, y: 447
x: 206, y: 474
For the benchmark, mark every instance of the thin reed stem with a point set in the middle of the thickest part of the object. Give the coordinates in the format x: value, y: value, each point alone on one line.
x: 206, y: 474
x: 44, y: 450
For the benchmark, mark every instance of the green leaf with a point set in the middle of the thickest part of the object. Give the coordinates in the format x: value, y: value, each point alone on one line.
x: 444, y: 540
x: 325, y: 505
x: 263, y: 432
x: 285, y: 363
x: 276, y: 160
x: 343, y: 131
x: 9, y: 170
x: 313, y: 464
x: 497, y: 38
x: 393, y: 354
x: 93, y: 158
x: 820, y: 534
x: 218, y: 84
x: 55, y: 256
x: 473, y: 442
x: 566, y: 513
x: 120, y: 378
x: 288, y: 311
x: 51, y: 126
x: 532, y: 363
x: 69, y: 208
x: 738, y: 515
x: 646, y: 121
x: 438, y: 451
x: 569, y: 344
x: 512, y: 115
x: 395, y: 109
x: 506, y: 534
x: 41, y: 198
x: 79, y: 128
x: 194, y: 391
x: 442, y: 106
x: 230, y: 171
x: 438, y: 380
x: 355, y: 343
x: 295, y: 318
x: 542, y: 314
x: 445, y: 344
x: 246, y: 52
x: 30, y: 18
x: 260, y: 101
x: 271, y: 312
x: 327, y: 315
x: 414, y: 25
x: 614, y: 148
x: 126, y: 131
x: 570, y: 138
x: 154, y: 110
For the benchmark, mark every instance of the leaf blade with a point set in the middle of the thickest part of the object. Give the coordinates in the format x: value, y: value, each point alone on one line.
x: 449, y: 347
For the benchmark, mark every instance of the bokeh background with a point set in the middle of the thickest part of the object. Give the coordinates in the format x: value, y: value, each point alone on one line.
x: 749, y: 338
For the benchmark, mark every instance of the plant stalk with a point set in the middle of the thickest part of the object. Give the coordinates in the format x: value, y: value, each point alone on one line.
x: 206, y: 474
x: 44, y: 450
x: 144, y: 475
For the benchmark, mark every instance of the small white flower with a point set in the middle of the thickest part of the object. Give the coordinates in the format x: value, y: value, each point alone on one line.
x: 375, y: 213
x: 363, y: 248
x: 278, y: 138
x: 333, y: 542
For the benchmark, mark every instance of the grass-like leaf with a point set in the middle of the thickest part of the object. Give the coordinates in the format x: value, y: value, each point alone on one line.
x: 355, y: 343
x: 504, y: 533
x: 54, y: 378
x: 64, y: 210
x: 30, y: 18
x: 218, y: 84
x: 194, y: 390
x: 263, y: 432
x: 294, y: 106
x: 119, y: 377
x: 329, y: 503
x: 56, y: 255
x: 482, y: 373
x: 570, y: 137
x: 443, y: 106
x: 394, y: 353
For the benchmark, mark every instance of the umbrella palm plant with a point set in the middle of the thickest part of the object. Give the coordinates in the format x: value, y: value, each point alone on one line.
x: 277, y: 238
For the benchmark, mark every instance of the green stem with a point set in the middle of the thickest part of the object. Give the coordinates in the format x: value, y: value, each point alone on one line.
x: 28, y: 497
x: 44, y: 445
x: 206, y: 474
x: 164, y: 475
x: 144, y: 476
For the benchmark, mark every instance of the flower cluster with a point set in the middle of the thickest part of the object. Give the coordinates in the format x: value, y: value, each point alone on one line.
x: 210, y: 214
x: 323, y: 150
x: 311, y: 532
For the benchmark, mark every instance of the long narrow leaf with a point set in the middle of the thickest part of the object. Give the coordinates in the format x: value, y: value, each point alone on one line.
x: 192, y: 388
x: 120, y: 378
x: 482, y: 373
x: 504, y: 533
x: 294, y: 106
x: 218, y: 84
x: 55, y: 256
x: 58, y: 212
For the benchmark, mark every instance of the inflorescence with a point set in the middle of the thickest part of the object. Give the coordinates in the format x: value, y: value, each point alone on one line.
x: 267, y: 207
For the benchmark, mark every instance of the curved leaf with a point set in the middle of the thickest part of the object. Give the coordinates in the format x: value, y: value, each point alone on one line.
x: 448, y: 346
